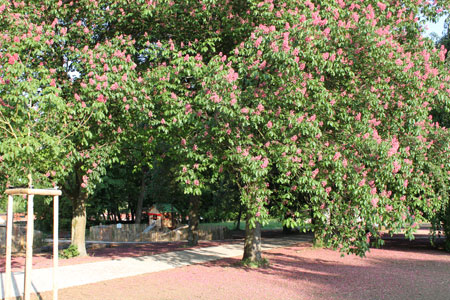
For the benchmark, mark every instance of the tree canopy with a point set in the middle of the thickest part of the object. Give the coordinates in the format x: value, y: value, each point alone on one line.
x: 317, y: 107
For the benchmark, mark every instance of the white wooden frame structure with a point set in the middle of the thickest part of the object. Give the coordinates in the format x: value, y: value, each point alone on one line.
x: 30, y: 192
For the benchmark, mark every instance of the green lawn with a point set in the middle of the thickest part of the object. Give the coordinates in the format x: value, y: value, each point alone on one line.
x: 273, y: 224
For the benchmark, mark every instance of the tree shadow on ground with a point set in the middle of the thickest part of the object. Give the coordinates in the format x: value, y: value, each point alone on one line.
x: 399, y: 271
x: 420, y: 243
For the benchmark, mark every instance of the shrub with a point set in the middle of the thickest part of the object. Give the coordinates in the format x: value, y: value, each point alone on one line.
x: 71, y: 251
x: 441, y: 226
x: 446, y: 227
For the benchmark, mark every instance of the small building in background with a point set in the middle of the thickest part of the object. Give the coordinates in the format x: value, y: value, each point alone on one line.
x: 163, y: 215
x: 3, y: 219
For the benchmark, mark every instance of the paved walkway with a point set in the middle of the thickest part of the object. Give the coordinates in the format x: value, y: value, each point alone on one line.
x: 75, y: 275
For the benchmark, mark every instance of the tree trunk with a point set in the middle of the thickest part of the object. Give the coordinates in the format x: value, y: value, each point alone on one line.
x: 142, y: 192
x: 119, y: 215
x: 79, y: 223
x: 78, y: 196
x: 238, y: 220
x: 194, y: 204
x: 252, y: 244
x: 130, y: 210
x: 317, y: 240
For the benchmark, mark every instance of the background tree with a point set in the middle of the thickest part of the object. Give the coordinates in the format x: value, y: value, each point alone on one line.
x: 117, y: 193
x: 31, y: 128
x: 343, y: 94
x: 441, y: 221
x: 90, y: 87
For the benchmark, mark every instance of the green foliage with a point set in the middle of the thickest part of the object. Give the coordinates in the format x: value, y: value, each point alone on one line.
x: 118, y: 190
x: 70, y: 252
x: 446, y: 222
x: 316, y: 115
x: 441, y: 225
x: 442, y: 115
x: 43, y: 209
x: 297, y: 106
x: 19, y: 206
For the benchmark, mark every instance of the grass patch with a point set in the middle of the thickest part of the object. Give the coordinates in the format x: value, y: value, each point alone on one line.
x: 272, y: 224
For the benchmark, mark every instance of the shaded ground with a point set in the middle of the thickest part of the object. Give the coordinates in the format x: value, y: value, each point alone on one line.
x: 401, y: 270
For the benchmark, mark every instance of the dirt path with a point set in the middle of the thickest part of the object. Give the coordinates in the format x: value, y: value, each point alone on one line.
x: 402, y: 270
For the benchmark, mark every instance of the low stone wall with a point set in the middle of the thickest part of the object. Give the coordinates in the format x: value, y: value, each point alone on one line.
x: 134, y: 233
x: 19, y: 234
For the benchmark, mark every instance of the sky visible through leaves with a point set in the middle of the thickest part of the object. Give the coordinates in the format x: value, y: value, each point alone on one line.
x: 437, y: 28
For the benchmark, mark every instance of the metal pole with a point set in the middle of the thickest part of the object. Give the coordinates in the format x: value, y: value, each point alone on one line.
x: 29, y: 248
x: 9, y: 224
x: 55, y: 246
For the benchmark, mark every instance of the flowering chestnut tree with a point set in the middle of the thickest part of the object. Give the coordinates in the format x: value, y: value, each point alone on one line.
x: 325, y: 108
x: 185, y: 35
x: 68, y: 94
x: 26, y: 92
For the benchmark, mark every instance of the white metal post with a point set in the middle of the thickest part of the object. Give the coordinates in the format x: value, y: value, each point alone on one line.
x: 9, y: 224
x: 29, y: 248
x: 30, y: 192
x: 55, y: 246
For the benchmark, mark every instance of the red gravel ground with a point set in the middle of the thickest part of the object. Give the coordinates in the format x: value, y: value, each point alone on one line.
x: 401, y: 270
